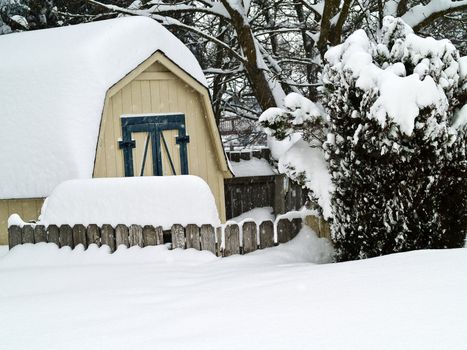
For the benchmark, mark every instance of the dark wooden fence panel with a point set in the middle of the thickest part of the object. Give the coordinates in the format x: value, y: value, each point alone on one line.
x: 277, y: 191
x: 245, y: 193
x: 226, y: 240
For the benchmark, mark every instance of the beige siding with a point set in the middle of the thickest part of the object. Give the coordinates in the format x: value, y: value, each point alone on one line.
x: 158, y: 91
x: 28, y: 209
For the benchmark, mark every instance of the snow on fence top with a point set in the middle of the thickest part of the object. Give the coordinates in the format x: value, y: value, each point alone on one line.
x: 159, y: 201
x: 53, y: 84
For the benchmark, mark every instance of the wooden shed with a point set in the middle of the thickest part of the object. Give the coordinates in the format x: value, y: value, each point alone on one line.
x: 120, y: 97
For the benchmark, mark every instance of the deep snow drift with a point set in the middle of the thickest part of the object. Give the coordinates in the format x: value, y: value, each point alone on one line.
x: 153, y: 298
x: 113, y: 201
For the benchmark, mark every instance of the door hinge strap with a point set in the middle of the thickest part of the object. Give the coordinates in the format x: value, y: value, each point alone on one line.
x: 127, y: 144
x: 182, y: 139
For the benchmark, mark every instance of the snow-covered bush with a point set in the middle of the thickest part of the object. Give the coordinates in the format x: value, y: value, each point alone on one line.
x: 394, y: 157
x: 395, y: 148
x: 301, y: 157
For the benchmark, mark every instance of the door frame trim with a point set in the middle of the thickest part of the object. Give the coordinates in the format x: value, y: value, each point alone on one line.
x: 154, y: 123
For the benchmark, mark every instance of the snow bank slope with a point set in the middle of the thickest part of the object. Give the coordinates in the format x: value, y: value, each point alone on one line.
x: 155, y: 298
x: 147, y: 200
x: 53, y: 84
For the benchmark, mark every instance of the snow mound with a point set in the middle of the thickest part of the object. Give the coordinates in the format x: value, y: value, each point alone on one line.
x: 257, y: 215
x: 306, y: 247
x: 159, y: 201
x: 52, y: 94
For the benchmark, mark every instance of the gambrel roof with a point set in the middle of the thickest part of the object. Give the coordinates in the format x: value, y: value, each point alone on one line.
x: 52, y: 92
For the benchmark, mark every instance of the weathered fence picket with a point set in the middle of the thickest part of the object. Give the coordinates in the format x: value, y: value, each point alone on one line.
x: 93, y: 235
x: 14, y: 236
x: 122, y: 235
x: 266, y: 234
x: 136, y: 235
x: 178, y: 236
x: 249, y: 237
x: 226, y: 240
x: 208, y: 238
x: 232, y: 240
x: 40, y: 234
x: 159, y: 235
x: 192, y: 237
x: 149, y: 236
x: 66, y: 236
x: 53, y: 234
x: 28, y: 234
x: 108, y: 236
x: 284, y: 228
x: 79, y: 235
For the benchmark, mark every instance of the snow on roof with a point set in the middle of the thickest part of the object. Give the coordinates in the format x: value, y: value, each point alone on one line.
x: 149, y: 200
x: 52, y: 94
x: 252, y: 167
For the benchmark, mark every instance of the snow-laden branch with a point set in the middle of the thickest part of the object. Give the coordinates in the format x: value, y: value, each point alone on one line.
x: 211, y: 7
x: 421, y: 15
x: 128, y: 11
x: 278, y: 31
x: 170, y: 22
x: 217, y: 71
x: 317, y: 9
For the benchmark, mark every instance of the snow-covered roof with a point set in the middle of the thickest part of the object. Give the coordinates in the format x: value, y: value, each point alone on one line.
x: 147, y: 200
x: 252, y: 167
x: 53, y: 85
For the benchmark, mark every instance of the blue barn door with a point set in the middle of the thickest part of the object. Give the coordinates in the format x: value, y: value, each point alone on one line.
x: 149, y: 148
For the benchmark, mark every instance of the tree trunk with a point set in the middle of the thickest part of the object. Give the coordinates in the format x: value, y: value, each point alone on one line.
x: 256, y: 75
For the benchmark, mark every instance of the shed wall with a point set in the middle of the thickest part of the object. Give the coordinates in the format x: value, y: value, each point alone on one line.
x: 159, y: 91
x: 28, y: 209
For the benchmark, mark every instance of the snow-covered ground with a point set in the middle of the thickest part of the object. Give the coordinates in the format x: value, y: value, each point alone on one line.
x: 153, y: 298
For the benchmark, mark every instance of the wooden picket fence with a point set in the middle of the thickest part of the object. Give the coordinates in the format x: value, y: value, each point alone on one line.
x: 226, y: 240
